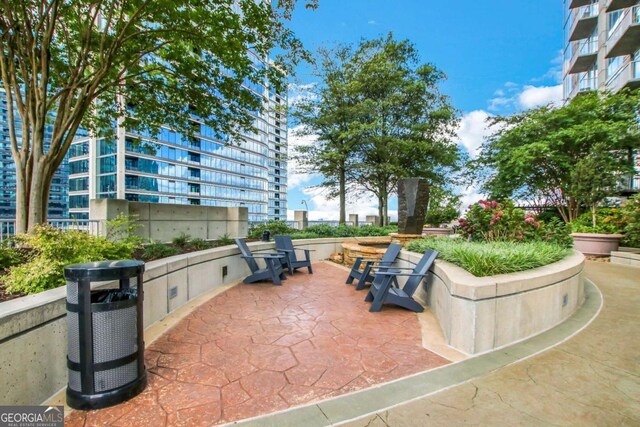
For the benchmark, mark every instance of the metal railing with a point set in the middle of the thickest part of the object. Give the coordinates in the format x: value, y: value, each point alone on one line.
x: 631, y: 71
x: 584, y: 84
x: 8, y: 226
x: 629, y: 18
x: 584, y: 12
x: 298, y: 224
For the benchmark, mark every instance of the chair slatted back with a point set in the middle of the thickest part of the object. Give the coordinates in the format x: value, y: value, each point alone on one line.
x: 391, y: 254
x: 285, y: 242
x: 422, y: 267
x: 246, y: 252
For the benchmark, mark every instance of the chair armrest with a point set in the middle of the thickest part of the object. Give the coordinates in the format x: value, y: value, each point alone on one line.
x: 397, y: 273
x: 284, y: 250
x: 264, y: 256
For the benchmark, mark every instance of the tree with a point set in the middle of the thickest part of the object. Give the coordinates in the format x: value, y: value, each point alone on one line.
x: 538, y: 151
x: 328, y: 112
x: 66, y: 65
x: 444, y: 206
x: 406, y: 125
x: 595, y: 177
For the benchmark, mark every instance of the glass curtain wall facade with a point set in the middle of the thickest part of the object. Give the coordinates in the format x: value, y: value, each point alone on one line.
x: 58, y: 197
x: 201, y: 170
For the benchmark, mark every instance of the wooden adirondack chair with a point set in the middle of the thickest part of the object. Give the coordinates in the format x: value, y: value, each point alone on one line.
x: 366, y: 275
x: 273, y: 270
x: 284, y: 244
x: 382, y: 291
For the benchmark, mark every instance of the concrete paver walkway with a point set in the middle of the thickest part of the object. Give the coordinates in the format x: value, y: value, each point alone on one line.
x: 256, y: 349
x: 592, y: 379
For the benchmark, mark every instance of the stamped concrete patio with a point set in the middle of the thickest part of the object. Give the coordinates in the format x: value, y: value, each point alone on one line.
x: 257, y: 349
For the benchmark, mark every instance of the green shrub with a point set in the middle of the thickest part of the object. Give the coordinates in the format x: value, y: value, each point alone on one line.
x: 557, y: 232
x: 608, y: 221
x: 50, y: 250
x: 157, y: 250
x: 9, y: 257
x: 491, y: 258
x: 123, y: 229
x: 182, y: 241
x: 630, y: 212
x: 275, y: 227
x: 199, y: 244
x: 493, y: 221
x: 224, y: 240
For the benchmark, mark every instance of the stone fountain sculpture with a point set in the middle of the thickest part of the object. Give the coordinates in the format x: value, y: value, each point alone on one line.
x: 413, y: 201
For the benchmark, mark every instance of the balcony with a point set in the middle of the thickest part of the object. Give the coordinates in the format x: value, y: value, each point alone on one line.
x: 630, y: 185
x: 627, y: 76
x: 619, y: 4
x: 625, y: 39
x: 578, y: 3
x: 584, y: 56
x: 584, y: 84
x: 584, y: 21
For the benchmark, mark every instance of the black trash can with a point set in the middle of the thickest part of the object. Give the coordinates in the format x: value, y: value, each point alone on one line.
x: 105, y: 355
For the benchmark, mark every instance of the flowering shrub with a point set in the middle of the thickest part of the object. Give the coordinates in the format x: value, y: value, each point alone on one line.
x: 608, y: 221
x: 493, y: 221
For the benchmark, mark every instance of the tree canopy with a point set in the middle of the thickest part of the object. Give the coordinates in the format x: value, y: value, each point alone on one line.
x: 387, y: 117
x: 538, y: 152
x: 71, y: 64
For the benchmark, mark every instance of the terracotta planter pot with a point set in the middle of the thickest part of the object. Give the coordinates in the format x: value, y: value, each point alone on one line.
x: 595, y: 244
x: 436, y: 231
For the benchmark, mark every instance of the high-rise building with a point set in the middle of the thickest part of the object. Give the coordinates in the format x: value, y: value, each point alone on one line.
x: 602, y: 52
x: 58, y: 200
x: 602, y: 45
x: 201, y: 170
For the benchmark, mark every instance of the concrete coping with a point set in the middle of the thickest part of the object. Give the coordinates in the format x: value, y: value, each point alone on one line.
x: 463, y: 284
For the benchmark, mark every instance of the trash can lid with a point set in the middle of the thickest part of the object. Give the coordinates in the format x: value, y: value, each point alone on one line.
x: 104, y: 270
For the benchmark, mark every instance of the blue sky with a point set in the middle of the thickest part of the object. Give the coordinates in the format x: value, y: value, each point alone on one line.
x: 499, y: 56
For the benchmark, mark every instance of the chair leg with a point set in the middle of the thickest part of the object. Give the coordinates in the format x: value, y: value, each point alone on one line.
x: 275, y: 278
x: 369, y: 296
x: 381, y: 295
x: 356, y: 266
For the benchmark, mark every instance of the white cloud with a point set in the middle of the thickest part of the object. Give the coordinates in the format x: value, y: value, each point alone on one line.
x: 473, y: 130
x: 296, y: 92
x: 537, y: 96
x: 322, y: 208
x: 298, y: 178
x: 372, y: 22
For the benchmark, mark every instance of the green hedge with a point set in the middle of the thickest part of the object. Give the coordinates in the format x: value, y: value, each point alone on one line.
x: 492, y: 258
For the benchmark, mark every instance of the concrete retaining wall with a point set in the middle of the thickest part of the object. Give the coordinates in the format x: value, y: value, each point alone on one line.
x: 626, y: 256
x: 162, y: 222
x: 480, y: 314
x: 33, y: 329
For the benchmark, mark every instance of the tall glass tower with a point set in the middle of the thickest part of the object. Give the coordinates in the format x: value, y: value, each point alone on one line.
x: 58, y: 200
x: 201, y: 170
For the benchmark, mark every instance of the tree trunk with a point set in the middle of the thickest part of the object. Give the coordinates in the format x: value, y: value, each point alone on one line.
x: 380, y: 211
x: 22, y: 197
x: 39, y: 188
x: 343, y: 196
x: 593, y: 214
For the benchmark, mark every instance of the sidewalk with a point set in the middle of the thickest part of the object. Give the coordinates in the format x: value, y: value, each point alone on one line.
x: 592, y: 379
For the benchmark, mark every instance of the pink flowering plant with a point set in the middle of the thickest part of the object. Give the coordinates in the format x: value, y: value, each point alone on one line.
x: 493, y: 221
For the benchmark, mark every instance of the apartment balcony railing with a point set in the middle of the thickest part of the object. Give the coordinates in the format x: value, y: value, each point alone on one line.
x: 584, y: 56
x: 619, y: 4
x: 584, y: 84
x: 8, y: 229
x: 584, y: 20
x: 625, y: 38
x: 626, y: 76
x: 578, y: 3
x: 630, y: 184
